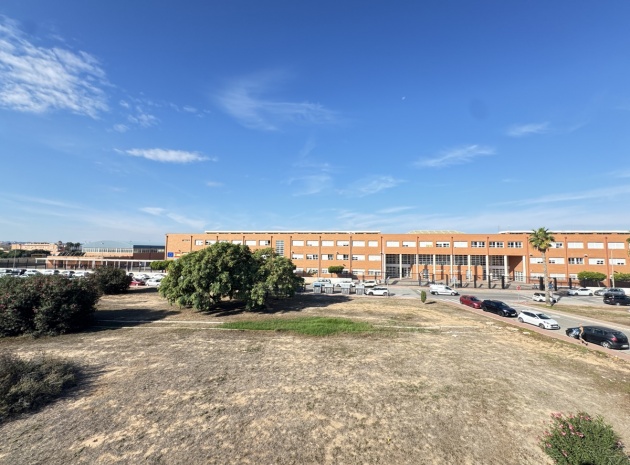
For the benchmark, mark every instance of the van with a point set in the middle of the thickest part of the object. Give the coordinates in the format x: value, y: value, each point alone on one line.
x: 436, y: 289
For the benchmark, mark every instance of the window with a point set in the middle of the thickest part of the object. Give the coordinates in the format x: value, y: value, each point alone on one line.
x: 280, y: 247
x: 325, y: 271
x: 312, y: 256
x: 535, y: 260
x: 426, y: 244
x: 298, y: 243
x: 595, y: 261
x: 343, y: 243
x: 460, y: 244
x: 374, y: 258
x: 556, y: 261
x: 358, y: 243
x: 328, y: 243
x: 409, y: 244
x: 595, y: 245
x: 250, y: 242
x: 557, y: 275
x: 443, y: 244
x: 496, y: 244
x: 358, y: 257
x: 392, y: 244
x: 327, y: 256
x: 442, y: 259
x: 342, y: 256
x: 615, y: 245
x: 408, y: 259
x: 297, y: 256
x: 372, y: 243
x: 617, y: 261
x: 515, y: 245
x: 358, y: 272
x: 425, y: 259
x: 556, y: 245
x: 298, y: 270
x: 312, y: 243
x: 461, y: 259
x: 391, y: 259
x: 478, y: 244
x: 497, y: 260
x: 210, y: 242
x: 374, y: 272
x: 311, y: 270
x: 199, y: 242
x: 576, y: 261
x: 237, y: 242
x: 478, y: 260
x: 575, y: 245
x: 264, y: 242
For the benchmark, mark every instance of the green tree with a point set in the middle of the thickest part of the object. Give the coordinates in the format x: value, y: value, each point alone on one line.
x: 541, y: 240
x: 110, y: 281
x: 596, y: 276
x: 160, y: 265
x: 335, y: 269
x: 274, y: 278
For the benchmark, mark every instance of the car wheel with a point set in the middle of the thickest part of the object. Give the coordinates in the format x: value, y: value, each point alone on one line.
x: 501, y: 313
x: 520, y: 319
x: 618, y: 304
x: 591, y: 294
x: 541, y: 326
x: 452, y: 293
x: 606, y: 345
x: 385, y: 293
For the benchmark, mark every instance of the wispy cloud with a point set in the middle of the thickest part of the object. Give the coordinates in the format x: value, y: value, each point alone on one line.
x: 192, y: 222
x: 456, y: 156
x: 371, y: 185
x: 243, y: 100
x: 593, y: 194
x: 167, y: 156
x: 120, y: 128
x: 214, y: 184
x: 155, y: 211
x: 37, y: 79
x: 521, y: 130
x: 309, y: 185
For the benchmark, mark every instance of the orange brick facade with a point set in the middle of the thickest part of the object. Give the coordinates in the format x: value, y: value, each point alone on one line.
x: 427, y: 255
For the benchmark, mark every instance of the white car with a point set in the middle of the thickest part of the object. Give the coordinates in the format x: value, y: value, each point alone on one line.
x: 538, y: 319
x: 580, y: 291
x: 377, y: 291
x: 541, y: 297
x: 153, y: 282
x: 369, y: 283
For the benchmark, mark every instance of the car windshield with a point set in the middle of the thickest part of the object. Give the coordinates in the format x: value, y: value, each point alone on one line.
x: 503, y: 305
x: 474, y: 299
x: 542, y: 316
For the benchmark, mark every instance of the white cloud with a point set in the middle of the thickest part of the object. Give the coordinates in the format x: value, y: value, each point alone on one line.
x: 37, y: 79
x: 155, y: 211
x: 593, y: 194
x: 120, y: 128
x: 168, y: 156
x: 309, y: 185
x: 242, y: 101
x: 181, y: 219
x: 521, y: 130
x: 372, y: 185
x: 214, y: 184
x: 456, y: 156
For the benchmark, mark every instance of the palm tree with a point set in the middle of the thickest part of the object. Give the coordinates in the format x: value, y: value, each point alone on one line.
x: 541, y: 239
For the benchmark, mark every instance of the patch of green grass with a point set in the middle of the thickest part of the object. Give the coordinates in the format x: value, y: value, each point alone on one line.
x: 310, y: 326
x: 27, y: 385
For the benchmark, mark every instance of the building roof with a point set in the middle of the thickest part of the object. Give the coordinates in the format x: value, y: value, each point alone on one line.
x: 436, y: 231
x: 107, y: 245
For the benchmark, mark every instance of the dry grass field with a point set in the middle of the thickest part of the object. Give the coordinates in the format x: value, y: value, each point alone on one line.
x: 435, y: 384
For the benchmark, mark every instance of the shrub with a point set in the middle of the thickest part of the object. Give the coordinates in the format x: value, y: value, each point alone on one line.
x: 160, y: 265
x: 110, y: 281
x: 335, y: 269
x: 45, y: 305
x: 423, y: 296
x: 581, y: 439
x: 29, y: 384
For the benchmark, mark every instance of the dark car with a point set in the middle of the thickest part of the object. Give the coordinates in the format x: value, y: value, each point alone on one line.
x: 498, y: 307
x: 614, y: 291
x: 470, y: 300
x: 616, y: 299
x: 605, y: 337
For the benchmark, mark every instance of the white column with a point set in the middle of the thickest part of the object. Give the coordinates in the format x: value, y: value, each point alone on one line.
x: 400, y: 266
x: 505, y: 266
x: 525, y: 268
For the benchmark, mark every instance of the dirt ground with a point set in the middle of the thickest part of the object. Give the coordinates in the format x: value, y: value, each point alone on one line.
x: 437, y: 385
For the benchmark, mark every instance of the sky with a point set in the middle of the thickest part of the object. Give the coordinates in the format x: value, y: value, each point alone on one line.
x: 129, y: 120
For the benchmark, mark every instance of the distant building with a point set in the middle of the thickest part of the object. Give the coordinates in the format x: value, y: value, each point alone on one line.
x: 53, y: 247
x: 117, y: 249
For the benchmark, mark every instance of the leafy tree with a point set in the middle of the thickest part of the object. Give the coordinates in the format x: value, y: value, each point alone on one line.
x: 591, y: 276
x: 423, y: 296
x: 224, y: 270
x: 110, y: 281
x: 274, y: 278
x: 335, y: 269
x: 541, y: 239
x: 160, y: 265
x: 622, y: 277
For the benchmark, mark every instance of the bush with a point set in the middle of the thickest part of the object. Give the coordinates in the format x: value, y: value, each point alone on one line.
x: 45, y: 305
x: 160, y: 265
x: 29, y: 384
x: 581, y: 439
x: 423, y: 296
x: 110, y: 281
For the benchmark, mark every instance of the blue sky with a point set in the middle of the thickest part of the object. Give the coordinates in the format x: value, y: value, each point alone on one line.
x: 129, y: 120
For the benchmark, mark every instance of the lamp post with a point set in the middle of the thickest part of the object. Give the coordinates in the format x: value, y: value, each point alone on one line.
x: 612, y: 270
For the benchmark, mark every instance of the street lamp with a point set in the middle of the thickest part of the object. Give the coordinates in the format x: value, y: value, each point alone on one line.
x: 612, y: 270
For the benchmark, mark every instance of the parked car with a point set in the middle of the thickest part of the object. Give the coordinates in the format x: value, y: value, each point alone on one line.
x: 369, y: 283
x: 601, y: 291
x: 498, y: 307
x: 436, y: 289
x: 538, y: 319
x: 541, y: 297
x: 377, y: 290
x: 580, y: 291
x: 614, y: 291
x: 606, y: 337
x: 470, y: 300
x: 153, y: 282
x: 136, y: 282
x: 612, y: 299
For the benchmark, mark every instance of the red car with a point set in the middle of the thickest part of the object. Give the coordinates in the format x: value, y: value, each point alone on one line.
x: 136, y: 282
x: 470, y: 300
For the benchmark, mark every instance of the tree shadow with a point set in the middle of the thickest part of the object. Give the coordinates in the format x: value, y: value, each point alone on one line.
x: 296, y: 303
x: 115, y: 319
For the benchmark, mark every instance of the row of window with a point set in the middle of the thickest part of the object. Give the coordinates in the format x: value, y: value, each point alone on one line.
x: 355, y: 271
x: 579, y: 261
